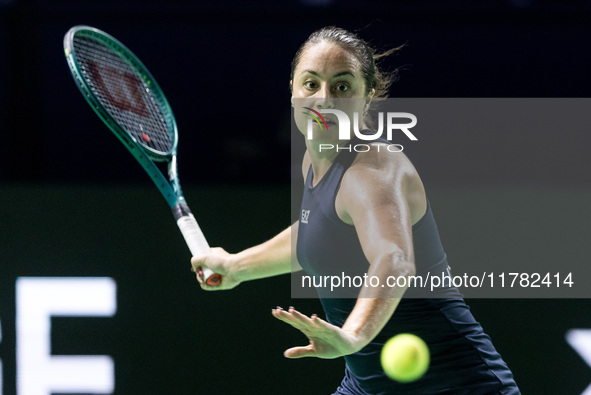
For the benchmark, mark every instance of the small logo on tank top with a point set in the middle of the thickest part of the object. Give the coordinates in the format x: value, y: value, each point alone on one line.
x: 305, y: 216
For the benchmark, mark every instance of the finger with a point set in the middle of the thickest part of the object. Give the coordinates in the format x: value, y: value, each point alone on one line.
x: 280, y: 314
x: 321, y: 324
x: 298, y: 321
x: 199, y: 274
x: 304, y: 319
x: 305, y: 322
x: 195, y: 265
x: 300, y: 352
x: 198, y: 260
x: 285, y: 316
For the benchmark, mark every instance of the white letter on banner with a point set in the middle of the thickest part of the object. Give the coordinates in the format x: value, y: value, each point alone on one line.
x: 37, y: 300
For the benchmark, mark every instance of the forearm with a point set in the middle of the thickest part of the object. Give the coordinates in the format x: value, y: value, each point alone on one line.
x: 271, y: 258
x: 375, y: 306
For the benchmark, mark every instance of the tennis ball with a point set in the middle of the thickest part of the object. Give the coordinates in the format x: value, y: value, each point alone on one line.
x: 405, y: 358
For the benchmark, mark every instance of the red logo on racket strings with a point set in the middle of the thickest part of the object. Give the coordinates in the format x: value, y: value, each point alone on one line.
x: 122, y: 90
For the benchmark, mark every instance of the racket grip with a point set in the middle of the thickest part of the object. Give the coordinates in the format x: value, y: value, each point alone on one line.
x: 195, y: 240
x: 211, y: 278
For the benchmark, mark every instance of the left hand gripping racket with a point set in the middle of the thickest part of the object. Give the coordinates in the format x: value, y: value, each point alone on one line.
x: 126, y: 97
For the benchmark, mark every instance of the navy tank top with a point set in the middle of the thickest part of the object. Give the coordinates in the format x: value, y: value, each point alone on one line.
x: 463, y: 359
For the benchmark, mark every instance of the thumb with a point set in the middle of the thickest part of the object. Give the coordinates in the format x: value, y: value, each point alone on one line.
x: 300, y: 352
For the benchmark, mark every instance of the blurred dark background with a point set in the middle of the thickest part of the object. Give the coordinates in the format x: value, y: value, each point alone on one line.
x: 73, y: 202
x: 224, y: 66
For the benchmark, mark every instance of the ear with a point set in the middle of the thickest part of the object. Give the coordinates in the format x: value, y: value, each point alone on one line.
x: 291, y: 90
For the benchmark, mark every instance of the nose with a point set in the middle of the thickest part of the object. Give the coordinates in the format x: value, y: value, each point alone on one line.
x: 324, y: 97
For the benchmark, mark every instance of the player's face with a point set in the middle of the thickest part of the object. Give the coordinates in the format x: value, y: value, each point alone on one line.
x: 328, y: 77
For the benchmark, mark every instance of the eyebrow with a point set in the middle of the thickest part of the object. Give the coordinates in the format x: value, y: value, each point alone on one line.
x: 342, y: 73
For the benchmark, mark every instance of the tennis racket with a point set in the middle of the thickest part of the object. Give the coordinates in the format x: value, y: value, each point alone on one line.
x: 123, y: 93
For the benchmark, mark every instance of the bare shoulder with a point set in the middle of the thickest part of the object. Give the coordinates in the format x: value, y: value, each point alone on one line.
x: 380, y: 176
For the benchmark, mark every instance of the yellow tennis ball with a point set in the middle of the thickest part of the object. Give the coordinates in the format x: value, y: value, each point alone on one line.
x: 405, y: 358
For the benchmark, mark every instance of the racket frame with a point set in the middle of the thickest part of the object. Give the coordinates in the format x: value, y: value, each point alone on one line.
x: 146, y: 156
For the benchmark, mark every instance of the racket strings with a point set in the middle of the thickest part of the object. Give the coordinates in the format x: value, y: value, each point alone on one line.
x: 125, y: 94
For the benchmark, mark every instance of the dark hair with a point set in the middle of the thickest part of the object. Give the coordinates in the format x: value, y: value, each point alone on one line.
x: 363, y: 52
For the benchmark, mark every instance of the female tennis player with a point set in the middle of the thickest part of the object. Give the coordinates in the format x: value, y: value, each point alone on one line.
x: 368, y: 212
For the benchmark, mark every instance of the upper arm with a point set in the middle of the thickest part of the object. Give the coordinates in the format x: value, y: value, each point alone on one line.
x: 295, y: 265
x: 379, y: 194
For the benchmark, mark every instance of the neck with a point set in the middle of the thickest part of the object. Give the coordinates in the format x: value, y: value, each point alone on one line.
x: 322, y: 158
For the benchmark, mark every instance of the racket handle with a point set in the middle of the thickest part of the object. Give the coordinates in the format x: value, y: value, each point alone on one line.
x: 195, y: 240
x: 211, y: 278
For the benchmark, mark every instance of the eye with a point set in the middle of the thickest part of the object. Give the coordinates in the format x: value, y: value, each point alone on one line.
x: 311, y: 85
x: 341, y: 87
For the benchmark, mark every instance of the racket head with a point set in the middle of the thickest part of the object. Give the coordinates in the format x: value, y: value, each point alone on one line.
x: 122, y: 91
